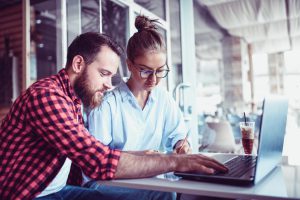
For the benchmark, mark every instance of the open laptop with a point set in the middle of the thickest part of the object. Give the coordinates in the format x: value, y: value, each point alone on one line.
x: 270, y: 144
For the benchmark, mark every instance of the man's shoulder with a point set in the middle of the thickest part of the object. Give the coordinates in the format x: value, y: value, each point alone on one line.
x: 46, y: 86
x: 48, y: 82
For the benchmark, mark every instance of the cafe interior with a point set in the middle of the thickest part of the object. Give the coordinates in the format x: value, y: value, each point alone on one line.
x: 225, y: 57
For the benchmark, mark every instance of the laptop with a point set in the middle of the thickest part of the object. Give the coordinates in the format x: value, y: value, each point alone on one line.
x: 250, y: 169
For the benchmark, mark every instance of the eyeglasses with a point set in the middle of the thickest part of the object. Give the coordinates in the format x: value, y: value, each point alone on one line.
x: 160, y: 73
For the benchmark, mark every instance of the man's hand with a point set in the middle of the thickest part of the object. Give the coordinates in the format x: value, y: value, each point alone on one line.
x: 198, y: 163
x: 182, y: 147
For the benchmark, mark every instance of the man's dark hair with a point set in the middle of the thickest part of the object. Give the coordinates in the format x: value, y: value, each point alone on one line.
x: 88, y: 45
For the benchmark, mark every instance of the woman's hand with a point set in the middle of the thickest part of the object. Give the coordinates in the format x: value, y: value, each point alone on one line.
x: 182, y: 147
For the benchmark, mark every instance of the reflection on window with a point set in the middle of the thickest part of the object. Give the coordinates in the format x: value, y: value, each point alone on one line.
x: 73, y: 20
x: 90, y: 16
x: 208, y: 87
x: 158, y: 7
x: 176, y: 41
x: 292, y: 86
x: 261, y: 76
x: 42, y: 39
x: 115, y: 24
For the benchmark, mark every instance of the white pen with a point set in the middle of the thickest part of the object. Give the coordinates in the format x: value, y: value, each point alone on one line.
x: 184, y: 141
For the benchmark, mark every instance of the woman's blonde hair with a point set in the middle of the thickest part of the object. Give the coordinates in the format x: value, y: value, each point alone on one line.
x: 147, y: 39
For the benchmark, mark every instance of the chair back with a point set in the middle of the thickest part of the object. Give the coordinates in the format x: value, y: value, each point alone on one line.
x: 224, y: 139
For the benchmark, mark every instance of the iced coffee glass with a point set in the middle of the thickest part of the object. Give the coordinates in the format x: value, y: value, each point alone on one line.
x: 247, y: 131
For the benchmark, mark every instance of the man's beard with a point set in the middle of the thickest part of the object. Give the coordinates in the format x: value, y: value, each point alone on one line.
x: 89, y: 97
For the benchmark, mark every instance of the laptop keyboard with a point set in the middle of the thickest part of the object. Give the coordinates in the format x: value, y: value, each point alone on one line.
x: 239, y: 166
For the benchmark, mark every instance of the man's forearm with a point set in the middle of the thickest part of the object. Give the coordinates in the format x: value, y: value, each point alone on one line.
x: 132, y: 165
x: 139, y: 166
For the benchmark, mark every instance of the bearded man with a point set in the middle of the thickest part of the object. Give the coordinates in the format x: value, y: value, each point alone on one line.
x: 44, y: 146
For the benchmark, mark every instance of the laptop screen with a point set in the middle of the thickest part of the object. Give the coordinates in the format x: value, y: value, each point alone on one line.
x: 271, y: 137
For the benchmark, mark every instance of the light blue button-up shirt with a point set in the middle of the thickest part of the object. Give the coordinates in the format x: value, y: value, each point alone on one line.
x: 121, y: 123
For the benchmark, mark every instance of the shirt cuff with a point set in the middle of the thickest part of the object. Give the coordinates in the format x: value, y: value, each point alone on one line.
x: 112, y: 164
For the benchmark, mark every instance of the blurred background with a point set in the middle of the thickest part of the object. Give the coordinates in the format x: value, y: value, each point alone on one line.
x: 225, y: 56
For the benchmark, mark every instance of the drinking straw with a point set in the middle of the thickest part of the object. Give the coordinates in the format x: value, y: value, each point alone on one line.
x: 245, y: 117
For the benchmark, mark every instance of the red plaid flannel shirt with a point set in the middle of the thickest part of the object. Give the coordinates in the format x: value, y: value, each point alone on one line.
x: 43, y: 127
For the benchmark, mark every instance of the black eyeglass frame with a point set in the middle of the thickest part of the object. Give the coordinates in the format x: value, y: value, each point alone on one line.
x: 152, y: 71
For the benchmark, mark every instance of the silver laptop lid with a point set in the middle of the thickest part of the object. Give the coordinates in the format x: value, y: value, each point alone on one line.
x: 271, y: 137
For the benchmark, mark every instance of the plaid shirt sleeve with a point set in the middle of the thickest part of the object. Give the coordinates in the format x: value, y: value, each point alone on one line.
x: 58, y: 121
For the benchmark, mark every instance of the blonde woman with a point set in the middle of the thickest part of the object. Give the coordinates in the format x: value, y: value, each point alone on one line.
x: 138, y: 115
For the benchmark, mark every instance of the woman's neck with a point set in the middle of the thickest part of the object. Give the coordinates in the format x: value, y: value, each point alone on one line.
x: 140, y: 94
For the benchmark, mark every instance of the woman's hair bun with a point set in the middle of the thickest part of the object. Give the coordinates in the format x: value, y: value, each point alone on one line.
x: 144, y: 23
x: 147, y: 39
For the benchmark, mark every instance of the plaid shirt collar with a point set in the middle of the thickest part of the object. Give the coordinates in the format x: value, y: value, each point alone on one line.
x: 66, y: 85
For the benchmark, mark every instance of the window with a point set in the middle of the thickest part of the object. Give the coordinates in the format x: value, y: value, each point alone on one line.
x: 291, y: 89
x: 176, y: 65
x: 43, y: 39
x: 115, y: 24
x: 158, y: 7
x: 261, y: 76
x: 90, y: 21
